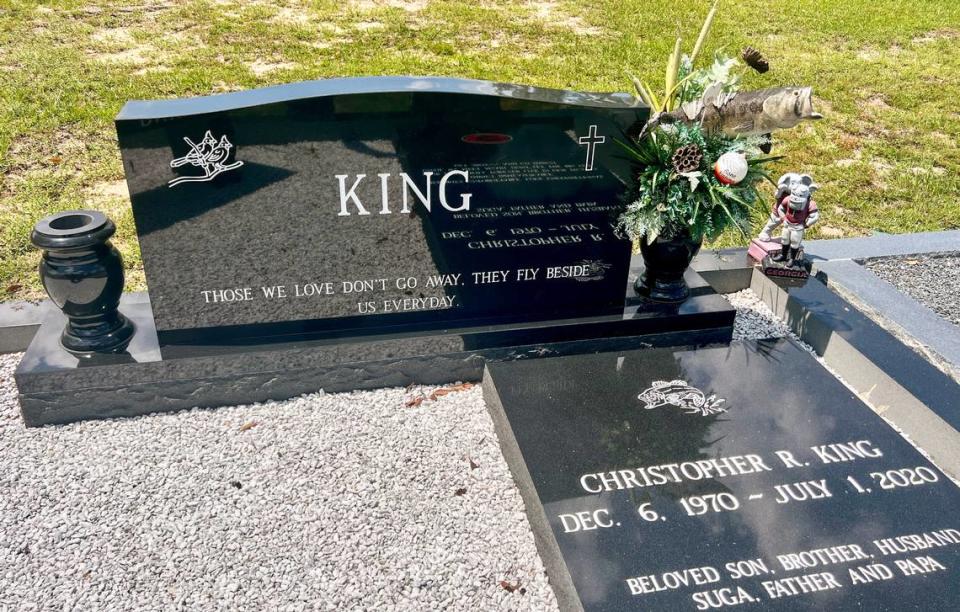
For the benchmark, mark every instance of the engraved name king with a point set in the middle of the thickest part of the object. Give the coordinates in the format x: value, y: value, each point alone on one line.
x: 349, y: 195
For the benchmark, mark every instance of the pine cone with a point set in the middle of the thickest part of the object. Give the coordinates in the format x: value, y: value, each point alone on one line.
x: 687, y: 158
x: 755, y: 60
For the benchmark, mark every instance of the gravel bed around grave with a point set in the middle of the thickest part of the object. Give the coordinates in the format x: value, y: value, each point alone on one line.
x: 755, y: 320
x: 933, y: 280
x: 333, y: 501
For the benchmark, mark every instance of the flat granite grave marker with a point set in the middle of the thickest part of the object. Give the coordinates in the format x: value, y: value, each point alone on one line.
x: 680, y: 479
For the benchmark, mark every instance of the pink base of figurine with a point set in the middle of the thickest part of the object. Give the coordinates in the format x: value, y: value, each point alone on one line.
x: 761, y: 248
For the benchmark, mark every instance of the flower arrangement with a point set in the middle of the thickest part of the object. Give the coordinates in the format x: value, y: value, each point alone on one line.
x: 678, y: 189
x: 700, y: 158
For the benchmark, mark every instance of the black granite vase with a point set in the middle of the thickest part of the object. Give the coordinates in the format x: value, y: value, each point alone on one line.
x: 83, y: 275
x: 665, y: 262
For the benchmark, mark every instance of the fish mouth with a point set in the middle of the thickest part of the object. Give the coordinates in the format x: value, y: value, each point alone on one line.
x: 801, y: 105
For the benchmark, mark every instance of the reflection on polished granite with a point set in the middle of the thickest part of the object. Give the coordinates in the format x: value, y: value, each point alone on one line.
x: 562, y: 418
x: 57, y: 387
x: 279, y: 216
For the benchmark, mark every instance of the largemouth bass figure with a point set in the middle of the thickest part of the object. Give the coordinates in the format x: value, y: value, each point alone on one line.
x: 749, y: 113
x: 681, y: 395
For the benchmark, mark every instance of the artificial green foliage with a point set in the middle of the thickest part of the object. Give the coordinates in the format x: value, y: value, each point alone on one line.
x: 670, y: 201
x: 670, y: 204
x: 721, y: 74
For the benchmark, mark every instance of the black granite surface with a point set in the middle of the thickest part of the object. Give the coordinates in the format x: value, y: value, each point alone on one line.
x: 532, y: 180
x: 560, y: 419
x: 57, y: 387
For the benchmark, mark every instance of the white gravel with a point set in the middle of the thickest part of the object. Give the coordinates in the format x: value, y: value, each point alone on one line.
x: 755, y: 320
x: 336, y: 502
x: 342, y: 501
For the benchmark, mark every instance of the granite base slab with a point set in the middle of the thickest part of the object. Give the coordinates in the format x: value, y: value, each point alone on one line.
x: 57, y: 387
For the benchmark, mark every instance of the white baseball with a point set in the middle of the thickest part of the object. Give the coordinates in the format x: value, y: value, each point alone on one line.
x: 731, y: 168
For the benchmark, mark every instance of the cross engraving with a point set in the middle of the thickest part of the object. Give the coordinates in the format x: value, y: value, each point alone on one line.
x: 591, y: 140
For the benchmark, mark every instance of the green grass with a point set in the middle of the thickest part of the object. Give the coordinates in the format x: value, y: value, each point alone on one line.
x: 886, y: 74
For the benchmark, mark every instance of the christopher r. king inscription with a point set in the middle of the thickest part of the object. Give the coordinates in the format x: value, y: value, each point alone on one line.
x: 833, y: 567
x: 790, y: 495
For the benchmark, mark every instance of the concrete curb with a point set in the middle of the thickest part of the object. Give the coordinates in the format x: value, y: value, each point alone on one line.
x: 883, y: 245
x: 898, y: 310
x: 838, y: 262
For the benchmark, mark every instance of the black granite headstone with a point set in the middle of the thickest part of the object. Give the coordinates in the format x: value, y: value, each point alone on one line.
x: 349, y: 207
x: 361, y: 233
x: 738, y: 477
